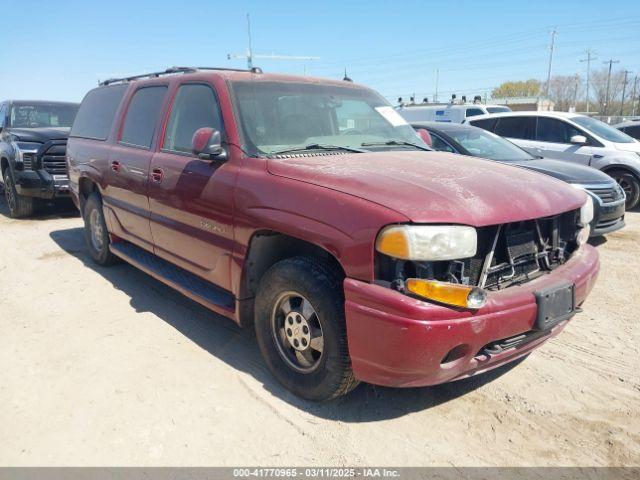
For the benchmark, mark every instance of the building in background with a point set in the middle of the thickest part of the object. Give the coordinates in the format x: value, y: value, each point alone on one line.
x: 519, y: 104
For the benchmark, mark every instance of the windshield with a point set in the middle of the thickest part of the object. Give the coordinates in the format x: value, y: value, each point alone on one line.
x: 42, y: 115
x: 602, y: 130
x: 279, y: 116
x: 481, y: 143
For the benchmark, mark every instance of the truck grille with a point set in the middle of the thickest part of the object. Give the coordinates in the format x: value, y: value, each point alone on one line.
x: 609, y: 194
x: 53, y: 158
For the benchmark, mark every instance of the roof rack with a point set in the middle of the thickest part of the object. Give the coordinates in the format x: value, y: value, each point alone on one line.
x: 174, y: 70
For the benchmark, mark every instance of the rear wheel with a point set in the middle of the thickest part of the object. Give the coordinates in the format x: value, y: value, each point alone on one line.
x: 95, y: 231
x: 631, y: 186
x: 19, y: 205
x: 301, y: 330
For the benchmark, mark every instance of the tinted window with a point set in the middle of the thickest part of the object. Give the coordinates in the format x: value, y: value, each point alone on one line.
x: 516, y: 127
x: 142, y: 116
x: 498, y: 109
x: 633, y: 131
x: 554, y: 130
x: 487, y: 124
x: 3, y: 114
x: 97, y: 111
x: 43, y: 115
x: 195, y: 107
x: 438, y: 143
x: 472, y: 112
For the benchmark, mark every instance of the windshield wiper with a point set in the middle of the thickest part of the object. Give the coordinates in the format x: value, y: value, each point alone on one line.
x: 318, y: 146
x: 396, y: 142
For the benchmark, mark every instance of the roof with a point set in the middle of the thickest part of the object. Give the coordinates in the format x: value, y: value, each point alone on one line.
x: 443, y: 126
x: 255, y: 75
x: 531, y: 113
x: 41, y: 102
x: 628, y: 123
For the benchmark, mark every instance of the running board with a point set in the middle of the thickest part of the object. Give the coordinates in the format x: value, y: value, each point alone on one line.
x: 190, y: 285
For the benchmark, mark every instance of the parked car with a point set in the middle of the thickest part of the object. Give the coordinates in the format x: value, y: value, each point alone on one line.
x: 309, y: 210
x: 447, y: 112
x: 573, y: 138
x: 608, y: 197
x: 631, y: 128
x: 33, y: 138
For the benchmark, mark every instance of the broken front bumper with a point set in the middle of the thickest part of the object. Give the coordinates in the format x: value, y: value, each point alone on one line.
x: 396, y: 340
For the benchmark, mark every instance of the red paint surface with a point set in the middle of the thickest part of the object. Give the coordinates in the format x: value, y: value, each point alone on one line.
x: 202, y: 217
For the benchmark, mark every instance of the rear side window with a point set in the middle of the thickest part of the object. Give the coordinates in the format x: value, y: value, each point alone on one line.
x: 96, y: 114
x: 555, y: 131
x: 142, y: 116
x: 195, y: 107
x: 486, y: 124
x: 633, y: 131
x: 516, y: 127
x: 472, y: 112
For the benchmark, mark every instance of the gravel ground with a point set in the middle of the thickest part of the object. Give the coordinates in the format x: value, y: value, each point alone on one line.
x: 106, y: 366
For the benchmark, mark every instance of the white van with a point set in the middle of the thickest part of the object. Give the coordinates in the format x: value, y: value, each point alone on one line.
x: 455, y: 113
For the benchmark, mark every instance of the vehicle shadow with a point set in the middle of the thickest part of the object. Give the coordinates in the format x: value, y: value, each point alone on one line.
x: 61, y: 208
x: 238, y: 348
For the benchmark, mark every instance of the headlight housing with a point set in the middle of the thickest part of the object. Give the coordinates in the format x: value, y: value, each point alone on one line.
x: 586, y: 212
x: 428, y: 242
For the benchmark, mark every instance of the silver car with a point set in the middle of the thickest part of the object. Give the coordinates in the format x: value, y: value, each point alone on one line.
x: 574, y: 138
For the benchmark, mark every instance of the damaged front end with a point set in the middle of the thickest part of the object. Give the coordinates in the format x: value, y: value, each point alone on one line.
x: 506, y: 255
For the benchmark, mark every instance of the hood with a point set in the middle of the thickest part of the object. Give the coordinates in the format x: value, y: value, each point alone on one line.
x: 566, y: 171
x: 41, y: 135
x: 628, y: 147
x: 436, y: 187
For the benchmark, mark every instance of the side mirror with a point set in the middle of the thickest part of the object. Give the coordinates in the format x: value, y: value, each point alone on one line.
x: 207, y: 144
x: 425, y: 136
x: 578, y: 140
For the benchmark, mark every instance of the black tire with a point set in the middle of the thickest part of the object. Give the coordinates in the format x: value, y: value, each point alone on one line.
x: 319, y: 283
x: 19, y: 205
x: 97, y: 246
x: 631, y: 186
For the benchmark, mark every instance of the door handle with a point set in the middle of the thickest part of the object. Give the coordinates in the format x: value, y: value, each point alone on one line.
x: 115, y: 166
x: 157, y: 174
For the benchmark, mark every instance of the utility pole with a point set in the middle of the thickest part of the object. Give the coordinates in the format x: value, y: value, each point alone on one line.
x: 249, y: 55
x: 575, y: 94
x: 553, y: 40
x: 606, y: 98
x: 435, y: 97
x: 588, y: 60
x: 633, y: 96
x: 624, y: 91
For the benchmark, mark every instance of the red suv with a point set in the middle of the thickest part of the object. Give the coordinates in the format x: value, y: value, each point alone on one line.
x: 312, y: 211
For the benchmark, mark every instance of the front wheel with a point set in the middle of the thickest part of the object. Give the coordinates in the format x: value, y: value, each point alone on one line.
x: 19, y: 205
x: 631, y: 186
x: 95, y: 231
x: 301, y: 329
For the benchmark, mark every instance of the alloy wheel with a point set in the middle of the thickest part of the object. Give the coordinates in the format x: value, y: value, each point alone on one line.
x: 297, y: 332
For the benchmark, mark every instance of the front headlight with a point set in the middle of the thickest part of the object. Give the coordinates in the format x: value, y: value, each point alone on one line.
x: 428, y: 242
x: 25, y: 147
x: 586, y: 212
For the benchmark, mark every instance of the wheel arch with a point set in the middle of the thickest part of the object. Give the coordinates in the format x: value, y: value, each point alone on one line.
x: 86, y: 186
x: 266, y: 248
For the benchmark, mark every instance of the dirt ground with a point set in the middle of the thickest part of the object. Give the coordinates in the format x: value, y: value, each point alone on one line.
x: 106, y: 366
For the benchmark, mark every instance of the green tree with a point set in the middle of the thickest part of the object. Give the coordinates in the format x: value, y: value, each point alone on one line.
x: 527, y: 88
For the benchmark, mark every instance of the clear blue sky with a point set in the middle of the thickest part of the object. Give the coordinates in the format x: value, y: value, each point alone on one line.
x: 59, y: 50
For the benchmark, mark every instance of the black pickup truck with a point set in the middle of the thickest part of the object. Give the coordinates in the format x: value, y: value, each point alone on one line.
x: 33, y: 143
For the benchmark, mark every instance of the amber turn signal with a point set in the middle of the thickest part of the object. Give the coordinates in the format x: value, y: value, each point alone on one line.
x: 464, y: 296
